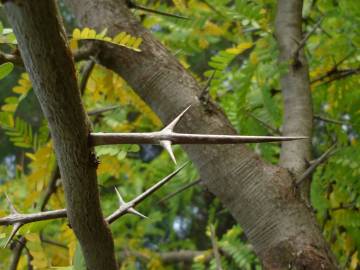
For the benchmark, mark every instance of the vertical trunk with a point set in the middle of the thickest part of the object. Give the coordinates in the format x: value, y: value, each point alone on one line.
x: 260, y: 196
x: 295, y: 86
x: 42, y: 43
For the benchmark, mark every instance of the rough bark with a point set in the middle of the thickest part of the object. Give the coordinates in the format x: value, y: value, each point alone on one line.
x: 43, y: 46
x: 260, y: 196
x: 295, y: 85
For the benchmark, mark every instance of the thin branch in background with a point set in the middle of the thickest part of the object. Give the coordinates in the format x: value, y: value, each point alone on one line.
x: 316, y: 163
x: 51, y: 188
x: 332, y: 121
x: 342, y: 74
x: 53, y: 243
x: 305, y: 39
x: 128, y: 207
x: 16, y: 253
x: 266, y: 125
x: 96, y: 112
x: 185, y: 187
x: 17, y: 219
x: 133, y: 5
x: 86, y: 74
x: 215, y: 247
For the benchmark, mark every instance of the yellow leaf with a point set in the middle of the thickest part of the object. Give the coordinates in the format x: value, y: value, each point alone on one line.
x: 213, y: 29
x: 137, y: 43
x: 76, y: 33
x: 240, y: 48
x: 9, y: 107
x: 119, y: 37
x: 179, y: 4
x: 31, y: 156
x: 85, y: 33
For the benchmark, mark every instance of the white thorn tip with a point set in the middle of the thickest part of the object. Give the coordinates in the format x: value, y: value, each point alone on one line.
x: 136, y: 213
x: 11, y: 206
x: 121, y: 200
x: 13, y: 233
x: 171, y: 126
x: 167, y: 147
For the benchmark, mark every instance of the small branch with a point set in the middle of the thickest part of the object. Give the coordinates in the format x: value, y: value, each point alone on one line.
x: 185, y: 187
x: 266, y: 125
x: 215, y: 247
x: 128, y: 207
x: 51, y: 188
x: 17, y: 250
x: 316, y: 163
x: 86, y: 74
x: 96, y: 112
x: 18, y: 220
x: 132, y: 5
x: 332, y: 121
x: 54, y: 243
x: 305, y: 39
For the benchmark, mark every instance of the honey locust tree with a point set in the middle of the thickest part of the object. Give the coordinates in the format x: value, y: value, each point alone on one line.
x: 264, y: 85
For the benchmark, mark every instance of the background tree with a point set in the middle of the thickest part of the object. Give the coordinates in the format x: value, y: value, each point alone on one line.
x: 238, y: 39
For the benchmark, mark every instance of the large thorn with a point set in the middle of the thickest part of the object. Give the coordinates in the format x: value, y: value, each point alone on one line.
x: 15, y: 229
x: 136, y: 213
x: 170, y: 127
x: 121, y: 200
x: 11, y: 206
x: 167, y: 147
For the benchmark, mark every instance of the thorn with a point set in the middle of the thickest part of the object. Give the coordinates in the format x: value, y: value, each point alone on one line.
x: 167, y: 147
x: 121, y: 200
x: 171, y: 126
x: 11, y: 206
x: 136, y: 213
x: 15, y: 229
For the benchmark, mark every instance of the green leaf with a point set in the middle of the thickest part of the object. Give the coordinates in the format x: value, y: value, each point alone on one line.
x: 5, y: 69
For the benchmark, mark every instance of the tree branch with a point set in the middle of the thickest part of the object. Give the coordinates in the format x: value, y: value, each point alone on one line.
x: 295, y: 85
x: 18, y: 219
x: 215, y: 247
x: 185, y: 187
x: 315, y: 164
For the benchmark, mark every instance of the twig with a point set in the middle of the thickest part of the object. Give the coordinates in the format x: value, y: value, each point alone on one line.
x: 176, y: 192
x: 16, y: 253
x: 266, y: 125
x: 131, y: 4
x: 332, y: 121
x: 215, y: 247
x: 86, y: 74
x: 18, y: 220
x: 96, y: 112
x: 316, y: 163
x: 51, y: 188
x: 305, y: 39
x: 51, y: 242
x: 167, y: 136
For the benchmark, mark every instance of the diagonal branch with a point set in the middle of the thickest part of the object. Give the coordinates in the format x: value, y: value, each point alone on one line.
x: 215, y: 247
x: 17, y: 219
x: 316, y: 163
x: 128, y: 207
x: 176, y: 192
x: 133, y: 5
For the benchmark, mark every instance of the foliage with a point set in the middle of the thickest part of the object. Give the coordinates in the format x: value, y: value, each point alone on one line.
x: 235, y: 39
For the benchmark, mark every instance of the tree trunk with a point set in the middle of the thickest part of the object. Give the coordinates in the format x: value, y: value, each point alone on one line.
x: 260, y: 196
x: 42, y: 43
